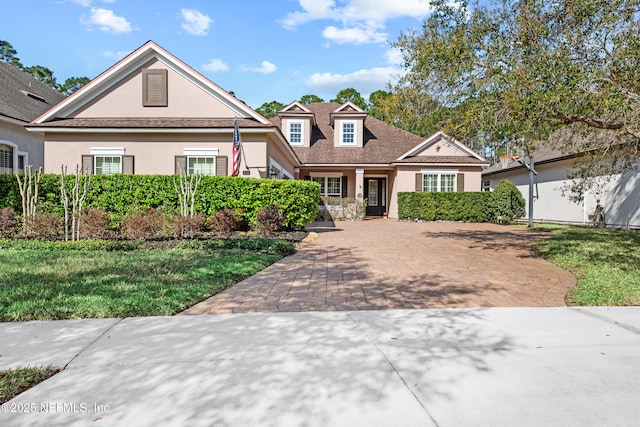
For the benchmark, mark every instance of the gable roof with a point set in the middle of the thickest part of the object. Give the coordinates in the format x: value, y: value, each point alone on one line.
x: 383, y: 144
x: 23, y: 97
x: 466, y: 153
x: 119, y: 71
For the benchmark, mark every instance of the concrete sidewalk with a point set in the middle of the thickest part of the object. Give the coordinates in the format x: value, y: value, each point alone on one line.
x: 472, y: 367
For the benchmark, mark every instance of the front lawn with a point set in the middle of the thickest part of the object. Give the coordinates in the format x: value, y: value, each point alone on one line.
x: 606, y: 263
x: 89, y: 279
x: 15, y: 381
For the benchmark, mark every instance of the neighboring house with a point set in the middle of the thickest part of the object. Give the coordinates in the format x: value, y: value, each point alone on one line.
x: 353, y: 155
x: 620, y: 197
x: 22, y: 99
x: 152, y: 114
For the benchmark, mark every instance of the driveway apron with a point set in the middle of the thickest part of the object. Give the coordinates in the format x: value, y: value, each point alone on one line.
x: 387, y: 264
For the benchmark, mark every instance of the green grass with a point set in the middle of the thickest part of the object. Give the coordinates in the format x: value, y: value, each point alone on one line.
x: 54, y: 280
x: 606, y: 263
x: 15, y: 381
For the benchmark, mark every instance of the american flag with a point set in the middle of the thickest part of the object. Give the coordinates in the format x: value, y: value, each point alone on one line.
x: 236, y: 149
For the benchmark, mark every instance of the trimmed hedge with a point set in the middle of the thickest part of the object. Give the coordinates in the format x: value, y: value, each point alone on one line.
x: 504, y: 204
x: 120, y: 194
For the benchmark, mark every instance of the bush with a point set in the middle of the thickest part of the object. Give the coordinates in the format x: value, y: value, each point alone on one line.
x: 456, y: 206
x: 96, y: 224
x: 225, y: 222
x: 8, y: 223
x: 187, y: 227
x: 269, y: 220
x: 341, y: 209
x: 45, y: 226
x: 118, y: 194
x: 507, y: 203
x: 141, y: 225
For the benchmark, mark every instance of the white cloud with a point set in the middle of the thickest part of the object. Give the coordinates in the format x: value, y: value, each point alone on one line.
x: 361, y: 19
x: 107, y: 21
x: 353, y: 35
x: 394, y: 57
x: 265, y: 67
x: 195, y: 22
x: 119, y: 54
x: 364, y: 81
x: 215, y: 65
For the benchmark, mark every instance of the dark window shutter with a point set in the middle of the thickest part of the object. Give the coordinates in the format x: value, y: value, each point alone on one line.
x: 221, y: 166
x: 154, y: 88
x: 307, y: 178
x: 87, y: 164
x: 344, y: 186
x: 181, y: 165
x: 460, y: 182
x: 419, y: 182
x: 127, y: 165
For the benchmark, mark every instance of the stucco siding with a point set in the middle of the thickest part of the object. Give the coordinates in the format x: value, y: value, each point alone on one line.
x: 26, y: 142
x: 184, y: 99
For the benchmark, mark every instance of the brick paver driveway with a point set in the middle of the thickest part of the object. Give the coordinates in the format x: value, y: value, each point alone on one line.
x: 386, y: 264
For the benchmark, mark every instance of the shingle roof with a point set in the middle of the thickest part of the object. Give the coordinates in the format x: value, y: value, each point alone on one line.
x: 22, y: 97
x: 442, y: 159
x: 382, y: 143
x: 152, y: 122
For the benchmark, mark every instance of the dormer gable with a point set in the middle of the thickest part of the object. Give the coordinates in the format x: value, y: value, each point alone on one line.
x: 441, y: 145
x: 348, y: 125
x: 297, y: 124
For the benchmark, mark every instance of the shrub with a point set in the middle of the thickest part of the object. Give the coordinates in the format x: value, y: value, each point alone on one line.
x: 187, y: 227
x: 95, y: 223
x: 269, y: 220
x: 456, y: 206
x: 141, y: 225
x: 507, y: 202
x: 225, y: 222
x: 8, y: 223
x: 45, y: 226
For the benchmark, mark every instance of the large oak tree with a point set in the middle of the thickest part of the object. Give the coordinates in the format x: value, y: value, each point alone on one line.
x: 510, y: 71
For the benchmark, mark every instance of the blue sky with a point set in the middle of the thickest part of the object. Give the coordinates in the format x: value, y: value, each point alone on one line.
x: 260, y: 50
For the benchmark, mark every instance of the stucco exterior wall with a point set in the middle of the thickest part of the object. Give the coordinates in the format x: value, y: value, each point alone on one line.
x: 184, y: 99
x: 27, y: 142
x: 620, y: 198
x: 154, y: 154
x: 276, y: 154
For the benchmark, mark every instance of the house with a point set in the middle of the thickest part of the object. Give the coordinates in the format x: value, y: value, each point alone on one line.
x: 151, y: 113
x: 353, y: 155
x: 22, y: 99
x: 620, y: 197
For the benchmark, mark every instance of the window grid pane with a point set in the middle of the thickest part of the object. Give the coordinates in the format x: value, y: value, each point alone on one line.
x: 6, y: 159
x: 295, y: 133
x: 448, y: 183
x: 348, y: 131
x: 334, y: 187
x: 201, y: 166
x: 429, y: 182
x: 320, y: 180
x: 108, y: 165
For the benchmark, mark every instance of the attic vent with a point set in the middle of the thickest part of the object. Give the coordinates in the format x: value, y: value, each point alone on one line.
x: 34, y: 96
x: 154, y: 88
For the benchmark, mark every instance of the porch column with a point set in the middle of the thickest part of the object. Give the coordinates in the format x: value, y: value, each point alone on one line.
x: 359, y: 184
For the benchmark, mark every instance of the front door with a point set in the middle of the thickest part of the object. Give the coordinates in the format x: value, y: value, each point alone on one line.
x: 375, y: 190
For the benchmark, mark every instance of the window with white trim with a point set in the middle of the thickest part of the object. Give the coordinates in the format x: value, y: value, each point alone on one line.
x: 486, y: 185
x: 329, y: 185
x: 6, y: 158
x: 348, y: 133
x: 295, y: 133
x: 201, y: 165
x: 107, y: 165
x: 438, y: 182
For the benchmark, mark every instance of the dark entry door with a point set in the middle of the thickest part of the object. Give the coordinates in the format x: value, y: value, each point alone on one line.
x: 375, y: 190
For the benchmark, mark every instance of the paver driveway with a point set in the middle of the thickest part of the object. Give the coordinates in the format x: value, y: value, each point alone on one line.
x: 387, y: 264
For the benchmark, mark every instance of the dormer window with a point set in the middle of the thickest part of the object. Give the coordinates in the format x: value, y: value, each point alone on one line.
x: 295, y: 133
x: 348, y: 133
